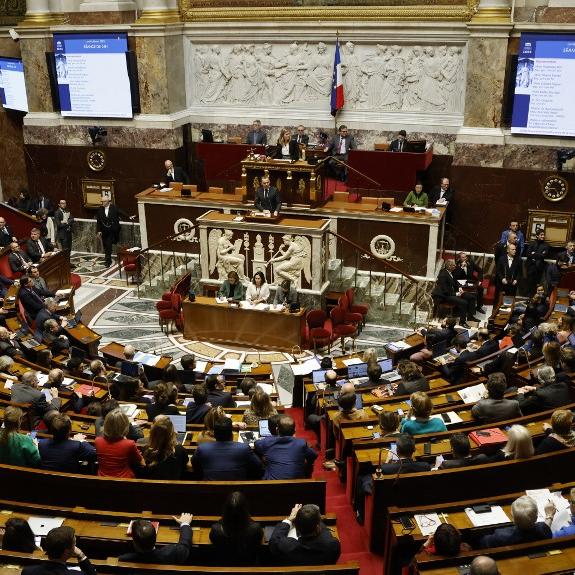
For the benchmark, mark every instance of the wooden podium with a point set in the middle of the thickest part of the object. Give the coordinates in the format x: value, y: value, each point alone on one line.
x: 300, y: 184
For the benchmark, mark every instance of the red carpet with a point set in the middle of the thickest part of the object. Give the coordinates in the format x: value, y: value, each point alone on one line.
x: 353, y: 537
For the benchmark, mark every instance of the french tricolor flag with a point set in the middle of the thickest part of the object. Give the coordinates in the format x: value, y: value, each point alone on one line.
x: 337, y: 99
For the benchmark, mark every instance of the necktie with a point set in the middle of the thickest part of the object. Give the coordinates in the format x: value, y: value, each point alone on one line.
x: 299, y: 139
x: 40, y: 247
x: 341, y: 146
x: 266, y: 194
x: 401, y: 146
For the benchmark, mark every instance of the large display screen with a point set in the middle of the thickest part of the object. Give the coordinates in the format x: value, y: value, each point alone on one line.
x: 12, y: 84
x: 92, y: 75
x: 545, y: 86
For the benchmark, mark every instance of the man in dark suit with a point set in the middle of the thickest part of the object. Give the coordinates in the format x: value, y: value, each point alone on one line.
x: 496, y: 407
x: 46, y: 313
x: 442, y: 193
x: 400, y: 143
x: 469, y: 271
x: 187, y: 375
x: 537, y: 251
x: 39, y: 283
x: 257, y: 137
x: 6, y: 235
x: 565, y: 259
x: 300, y: 137
x: 550, y: 395
x: 64, y: 221
x: 18, y: 260
x: 37, y: 247
x: 267, y: 198
x: 226, y: 459
x: 197, y: 410
x: 29, y: 298
x: 217, y: 394
x: 508, y: 271
x: 285, y: 456
x: 175, y: 173
x: 461, y: 453
x: 42, y: 202
x: 108, y: 227
x: 60, y: 545
x: 447, y: 290
x: 26, y: 391
x: 5, y: 283
x: 315, y: 545
x: 144, y: 539
x: 338, y: 149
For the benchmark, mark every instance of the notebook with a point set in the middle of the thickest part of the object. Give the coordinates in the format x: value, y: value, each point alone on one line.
x: 179, y: 422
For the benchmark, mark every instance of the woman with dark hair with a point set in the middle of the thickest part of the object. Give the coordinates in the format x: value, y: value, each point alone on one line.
x: 164, y: 458
x: 236, y: 537
x: 260, y: 407
x: 17, y: 448
x: 446, y: 541
x: 165, y: 397
x: 18, y: 536
x: 258, y: 291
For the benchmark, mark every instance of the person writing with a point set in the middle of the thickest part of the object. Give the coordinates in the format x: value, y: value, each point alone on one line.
x: 286, y: 294
x: 417, y: 197
x: 258, y: 291
x: 232, y: 289
x: 267, y: 198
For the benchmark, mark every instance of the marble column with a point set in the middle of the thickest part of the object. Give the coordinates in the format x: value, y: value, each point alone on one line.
x: 493, y: 11
x: 107, y: 6
x: 38, y: 13
x: 159, y: 12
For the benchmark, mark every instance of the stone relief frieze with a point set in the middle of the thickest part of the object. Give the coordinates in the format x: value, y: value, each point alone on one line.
x: 428, y: 78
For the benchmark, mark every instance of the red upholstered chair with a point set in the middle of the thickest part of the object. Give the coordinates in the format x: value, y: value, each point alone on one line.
x: 318, y: 331
x: 165, y: 302
x: 340, y: 327
x: 171, y: 317
x: 361, y: 308
x: 130, y: 262
x: 75, y: 281
x: 350, y: 317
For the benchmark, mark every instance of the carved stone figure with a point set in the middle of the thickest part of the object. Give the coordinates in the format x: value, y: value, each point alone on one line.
x: 430, y: 88
x: 217, y: 76
x: 295, y: 255
x: 351, y: 69
x: 318, y: 79
x: 225, y: 256
x: 413, y: 67
x: 392, y: 94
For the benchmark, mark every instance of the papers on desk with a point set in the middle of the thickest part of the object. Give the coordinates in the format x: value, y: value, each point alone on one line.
x: 397, y: 345
x: 461, y: 282
x: 396, y: 209
x: 494, y: 517
x: 267, y: 387
x: 453, y: 417
x: 67, y: 381
x: 260, y: 306
x: 146, y: 358
x: 129, y: 409
x: 42, y: 379
x: 187, y: 401
x: 233, y: 365
x: 542, y: 497
x: 216, y: 369
x: 63, y: 292
x: 8, y: 384
x: 41, y: 525
x: 277, y: 307
x: 473, y: 393
x: 221, y: 300
x: 306, y: 367
x: 352, y: 361
x: 201, y: 366
x: 243, y: 403
x: 46, y: 393
x: 427, y: 523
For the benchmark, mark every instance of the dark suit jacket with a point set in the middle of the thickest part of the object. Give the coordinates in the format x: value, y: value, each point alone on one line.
x: 226, y: 461
x: 409, y: 387
x: 285, y: 457
x: 472, y: 273
x: 293, y: 151
x: 509, y: 273
x: 273, y: 202
x: 436, y: 193
x: 549, y: 397
x: 536, y: 253
x: 333, y: 148
x: 34, y: 251
x: 31, y: 301
x: 43, y: 315
x: 21, y: 393
x: 65, y: 455
x: 196, y: 413
x: 6, y: 236
x: 16, y: 263
x: 57, y: 568
x: 108, y: 225
x: 496, y: 409
x: 38, y: 203
x: 303, y: 139
x: 454, y: 463
x: 396, y: 144
x: 405, y: 466
x: 179, y: 176
x: 445, y: 286
x: 63, y: 229
x: 174, y: 554
x: 323, y: 549
x: 257, y: 138
x: 513, y: 536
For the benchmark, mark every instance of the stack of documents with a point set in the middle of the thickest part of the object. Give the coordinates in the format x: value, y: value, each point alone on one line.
x: 473, y: 393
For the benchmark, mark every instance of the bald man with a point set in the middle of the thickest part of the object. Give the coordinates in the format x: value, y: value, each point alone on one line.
x: 483, y: 565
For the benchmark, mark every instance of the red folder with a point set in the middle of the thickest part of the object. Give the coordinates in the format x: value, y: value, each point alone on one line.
x: 86, y: 389
x: 491, y: 436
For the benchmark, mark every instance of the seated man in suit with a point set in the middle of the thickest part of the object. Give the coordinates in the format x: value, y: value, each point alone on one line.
x: 26, y: 391
x: 285, y: 456
x: 197, y: 410
x: 550, y: 395
x: 339, y: 149
x: 60, y: 545
x: 400, y: 143
x: 30, y: 299
x: 566, y: 259
x: 525, y: 529
x: 315, y: 545
x: 175, y: 173
x: 217, y: 394
x: 300, y: 137
x: 445, y: 332
x: 495, y: 407
x: 144, y: 539
x: 8, y: 346
x: 18, y: 260
x: 49, y: 312
x: 6, y: 235
x: 466, y: 269
x: 54, y: 337
x: 461, y: 453
x: 5, y: 283
x: 232, y: 289
x: 39, y: 283
x: 267, y: 198
x: 187, y: 375
x: 447, y: 290
x: 38, y: 248
x: 257, y: 136
x: 286, y: 294
x: 225, y: 459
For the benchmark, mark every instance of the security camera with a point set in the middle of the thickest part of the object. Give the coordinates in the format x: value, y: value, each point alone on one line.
x: 14, y: 35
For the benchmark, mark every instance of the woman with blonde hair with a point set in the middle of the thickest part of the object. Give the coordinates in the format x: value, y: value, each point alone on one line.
x: 519, y: 445
x: 164, y: 457
x: 369, y: 356
x: 419, y: 420
x: 261, y: 407
x: 15, y: 447
x: 286, y: 149
x: 165, y: 398
x: 207, y: 434
x: 117, y: 456
x: 560, y: 434
x: 552, y: 354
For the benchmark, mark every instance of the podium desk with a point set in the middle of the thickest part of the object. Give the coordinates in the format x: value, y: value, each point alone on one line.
x: 206, y: 320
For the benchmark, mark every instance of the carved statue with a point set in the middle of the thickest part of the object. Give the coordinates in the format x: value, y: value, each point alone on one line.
x: 217, y: 76
x: 413, y: 67
x: 291, y: 81
x: 295, y: 253
x: 351, y: 69
x: 319, y: 76
x: 430, y: 90
x: 392, y: 94
x: 225, y: 256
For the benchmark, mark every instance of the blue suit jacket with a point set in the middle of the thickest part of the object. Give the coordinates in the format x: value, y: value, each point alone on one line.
x: 512, y: 535
x: 285, y: 457
x: 226, y: 461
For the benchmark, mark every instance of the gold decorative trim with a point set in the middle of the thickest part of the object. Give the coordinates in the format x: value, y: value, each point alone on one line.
x: 493, y: 15
x: 155, y: 17
x: 43, y: 19
x: 462, y: 12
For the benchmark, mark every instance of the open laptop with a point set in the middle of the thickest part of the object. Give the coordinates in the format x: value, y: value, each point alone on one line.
x: 179, y: 423
x: 318, y: 376
x: 73, y: 322
x: 389, y: 374
x: 129, y: 368
x: 386, y: 365
x: 561, y: 308
x: 439, y: 348
x: 264, y: 428
x: 357, y: 370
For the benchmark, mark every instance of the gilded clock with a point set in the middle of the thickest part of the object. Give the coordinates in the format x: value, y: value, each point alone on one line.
x: 554, y: 188
x: 96, y: 160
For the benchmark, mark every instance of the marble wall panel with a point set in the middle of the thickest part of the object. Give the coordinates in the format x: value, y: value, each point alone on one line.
x: 152, y: 74
x: 484, y: 155
x: 175, y: 70
x: 37, y: 80
x: 85, y: 239
x: 12, y: 160
x: 485, y: 81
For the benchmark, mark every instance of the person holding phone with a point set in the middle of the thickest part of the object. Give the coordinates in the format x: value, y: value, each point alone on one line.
x: 420, y: 421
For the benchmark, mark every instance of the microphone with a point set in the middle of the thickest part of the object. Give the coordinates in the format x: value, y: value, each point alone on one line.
x: 378, y: 472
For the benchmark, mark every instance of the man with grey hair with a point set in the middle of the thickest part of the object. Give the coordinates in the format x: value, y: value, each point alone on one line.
x: 8, y: 346
x: 526, y: 528
x: 549, y: 395
x: 257, y: 136
x: 483, y: 565
x: 26, y: 391
x: 447, y: 290
x: 129, y: 352
x: 46, y: 313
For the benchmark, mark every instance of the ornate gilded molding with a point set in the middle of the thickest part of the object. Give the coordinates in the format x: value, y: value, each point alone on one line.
x: 11, y: 11
x: 432, y: 10
x: 492, y: 15
x: 154, y: 17
x: 43, y: 19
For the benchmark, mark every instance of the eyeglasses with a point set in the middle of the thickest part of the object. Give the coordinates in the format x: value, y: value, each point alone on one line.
x: 425, y: 521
